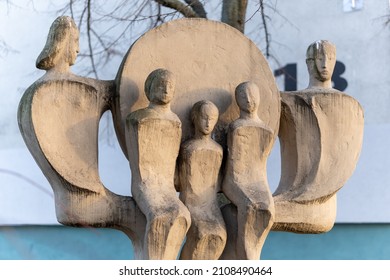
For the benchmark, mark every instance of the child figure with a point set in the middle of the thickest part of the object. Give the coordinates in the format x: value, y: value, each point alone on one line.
x: 199, y: 165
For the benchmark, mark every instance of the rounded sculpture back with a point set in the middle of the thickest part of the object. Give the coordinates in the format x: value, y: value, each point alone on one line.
x: 207, y: 65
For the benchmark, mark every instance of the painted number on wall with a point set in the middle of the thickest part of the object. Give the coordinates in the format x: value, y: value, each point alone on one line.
x: 290, y: 76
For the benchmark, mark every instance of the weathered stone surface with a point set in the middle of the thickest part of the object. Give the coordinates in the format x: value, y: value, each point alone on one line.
x: 58, y: 117
x: 315, y: 217
x: 321, y: 135
x: 199, y: 165
x: 209, y: 59
x: 153, y: 141
x: 245, y: 180
x: 321, y: 131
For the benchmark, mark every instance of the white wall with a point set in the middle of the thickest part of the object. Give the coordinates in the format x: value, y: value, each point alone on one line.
x: 22, y: 201
x: 362, y: 45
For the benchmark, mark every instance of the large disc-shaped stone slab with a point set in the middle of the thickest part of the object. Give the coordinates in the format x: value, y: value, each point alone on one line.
x: 209, y: 60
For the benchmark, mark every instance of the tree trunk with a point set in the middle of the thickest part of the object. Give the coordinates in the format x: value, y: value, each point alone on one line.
x: 234, y: 12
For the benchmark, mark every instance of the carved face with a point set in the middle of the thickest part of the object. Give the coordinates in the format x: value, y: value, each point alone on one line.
x: 162, y: 90
x: 73, y: 47
x: 248, y: 98
x: 206, y: 119
x: 325, y: 62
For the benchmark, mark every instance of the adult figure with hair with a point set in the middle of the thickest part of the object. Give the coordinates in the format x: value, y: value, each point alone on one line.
x: 153, y: 136
x: 62, y: 46
x: 65, y: 109
x: 245, y: 184
x: 199, y: 165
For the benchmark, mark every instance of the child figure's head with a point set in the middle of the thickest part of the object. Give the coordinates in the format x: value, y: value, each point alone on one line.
x: 204, y: 116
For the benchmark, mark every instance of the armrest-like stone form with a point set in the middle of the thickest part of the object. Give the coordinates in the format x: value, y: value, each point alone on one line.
x: 59, y: 118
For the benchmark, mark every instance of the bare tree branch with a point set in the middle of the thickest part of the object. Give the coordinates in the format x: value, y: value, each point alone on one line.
x: 89, y: 30
x: 182, y: 8
x: 387, y: 22
x: 273, y: 9
x: 27, y: 179
x: 267, y: 35
x: 159, y: 19
x: 110, y: 27
x: 71, y: 8
x: 198, y: 7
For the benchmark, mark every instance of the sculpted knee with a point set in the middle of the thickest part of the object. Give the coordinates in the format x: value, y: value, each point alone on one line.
x: 266, y: 212
x: 173, y: 214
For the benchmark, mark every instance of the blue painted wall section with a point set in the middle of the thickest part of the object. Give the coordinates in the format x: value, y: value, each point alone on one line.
x: 343, y: 242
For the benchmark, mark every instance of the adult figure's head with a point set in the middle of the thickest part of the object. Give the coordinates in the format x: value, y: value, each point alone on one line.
x: 62, y: 45
x: 321, y: 60
x: 204, y: 116
x: 160, y: 86
x: 248, y: 99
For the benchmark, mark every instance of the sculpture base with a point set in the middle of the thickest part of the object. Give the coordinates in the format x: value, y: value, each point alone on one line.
x: 317, y: 217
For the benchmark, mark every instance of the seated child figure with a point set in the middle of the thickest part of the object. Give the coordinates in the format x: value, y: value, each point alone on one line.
x: 199, y: 165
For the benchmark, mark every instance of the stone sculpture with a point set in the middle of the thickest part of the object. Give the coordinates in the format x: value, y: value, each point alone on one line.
x: 245, y: 179
x: 153, y: 141
x: 199, y: 74
x: 199, y: 167
x: 320, y: 133
x: 58, y: 117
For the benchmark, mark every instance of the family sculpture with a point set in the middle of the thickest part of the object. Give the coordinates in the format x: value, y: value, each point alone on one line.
x: 191, y: 139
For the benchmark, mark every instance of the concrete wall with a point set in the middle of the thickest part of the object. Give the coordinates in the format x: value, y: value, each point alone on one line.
x: 344, y: 242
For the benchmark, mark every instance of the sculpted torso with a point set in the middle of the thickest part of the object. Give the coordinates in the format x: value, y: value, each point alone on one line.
x: 64, y: 111
x: 320, y: 133
x: 204, y: 159
x: 156, y: 136
x: 59, y: 119
x: 199, y: 167
x: 69, y: 115
x: 248, y: 154
x: 153, y: 141
x: 245, y: 182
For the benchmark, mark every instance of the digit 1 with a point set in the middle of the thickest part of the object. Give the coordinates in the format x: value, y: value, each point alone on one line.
x: 290, y: 76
